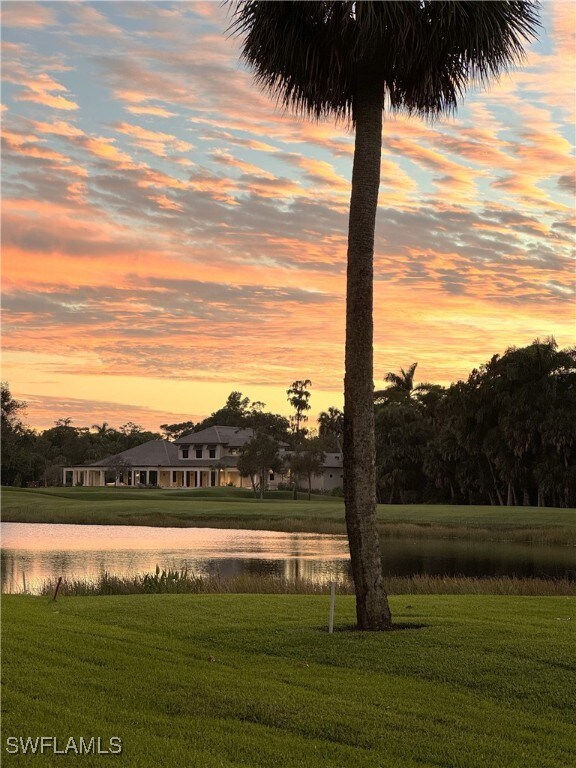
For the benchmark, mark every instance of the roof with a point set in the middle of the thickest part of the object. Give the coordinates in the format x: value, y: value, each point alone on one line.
x: 159, y: 453
x: 232, y: 436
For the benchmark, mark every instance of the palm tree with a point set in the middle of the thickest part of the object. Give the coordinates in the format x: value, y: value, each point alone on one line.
x: 102, y: 430
x: 331, y: 423
x: 299, y: 399
x: 401, y: 386
x: 348, y: 60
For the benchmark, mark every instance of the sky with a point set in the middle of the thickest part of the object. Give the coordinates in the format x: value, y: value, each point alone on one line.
x: 169, y: 235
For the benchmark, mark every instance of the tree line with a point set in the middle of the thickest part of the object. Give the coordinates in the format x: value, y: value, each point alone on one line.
x: 505, y: 436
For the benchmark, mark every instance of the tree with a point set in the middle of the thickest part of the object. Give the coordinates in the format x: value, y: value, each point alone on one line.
x: 402, y: 433
x: 347, y: 59
x: 299, y: 399
x: 271, y: 424
x: 103, y: 430
x: 130, y: 435
x: 174, y: 431
x: 233, y: 414
x: 258, y: 457
x: 331, y: 427
x: 307, y: 460
x: 119, y: 466
x: 506, y: 436
x: 402, y: 387
x: 16, y: 439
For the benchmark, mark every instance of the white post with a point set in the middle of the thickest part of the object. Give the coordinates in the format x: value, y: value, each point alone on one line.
x: 332, y: 600
x: 24, y: 582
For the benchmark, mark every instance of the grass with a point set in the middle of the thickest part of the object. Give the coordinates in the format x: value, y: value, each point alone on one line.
x: 235, y: 508
x: 173, y: 581
x: 246, y: 681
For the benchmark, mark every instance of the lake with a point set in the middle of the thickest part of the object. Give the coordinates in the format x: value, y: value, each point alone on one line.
x: 46, y: 551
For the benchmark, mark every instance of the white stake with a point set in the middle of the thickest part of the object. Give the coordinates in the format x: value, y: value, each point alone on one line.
x: 332, y: 599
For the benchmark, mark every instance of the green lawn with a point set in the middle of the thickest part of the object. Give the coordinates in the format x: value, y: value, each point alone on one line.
x: 234, y: 508
x: 206, y: 681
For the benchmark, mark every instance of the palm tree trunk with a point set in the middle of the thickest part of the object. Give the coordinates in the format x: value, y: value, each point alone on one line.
x: 372, y: 610
x: 498, y: 494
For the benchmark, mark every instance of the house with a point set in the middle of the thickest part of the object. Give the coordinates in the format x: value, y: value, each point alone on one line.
x: 332, y: 475
x: 197, y: 460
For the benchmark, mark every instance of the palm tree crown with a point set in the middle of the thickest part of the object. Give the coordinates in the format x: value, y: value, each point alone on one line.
x: 314, y: 55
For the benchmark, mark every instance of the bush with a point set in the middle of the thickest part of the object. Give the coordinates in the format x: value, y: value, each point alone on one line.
x: 338, y: 491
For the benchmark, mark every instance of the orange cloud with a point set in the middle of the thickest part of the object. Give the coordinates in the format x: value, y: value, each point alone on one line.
x: 156, y: 111
x: 42, y: 89
x: 156, y: 142
x: 105, y: 149
x: 59, y: 128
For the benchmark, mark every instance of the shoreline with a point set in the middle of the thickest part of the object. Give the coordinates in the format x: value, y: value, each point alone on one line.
x: 225, y: 508
x: 552, y: 536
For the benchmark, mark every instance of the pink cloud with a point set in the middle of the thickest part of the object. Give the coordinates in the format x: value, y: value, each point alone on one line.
x: 27, y: 15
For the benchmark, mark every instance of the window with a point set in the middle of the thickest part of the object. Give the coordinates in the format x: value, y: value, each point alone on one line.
x: 198, y: 453
x: 212, y: 453
x: 330, y: 474
x: 173, y: 477
x: 184, y: 453
x: 271, y: 475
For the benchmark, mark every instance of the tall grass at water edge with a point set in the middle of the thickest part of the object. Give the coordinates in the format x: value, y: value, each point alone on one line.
x: 174, y: 581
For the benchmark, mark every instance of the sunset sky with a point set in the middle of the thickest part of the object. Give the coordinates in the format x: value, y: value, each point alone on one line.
x: 170, y: 236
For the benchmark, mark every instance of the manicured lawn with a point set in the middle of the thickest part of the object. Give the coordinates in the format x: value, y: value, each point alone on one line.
x: 234, y: 508
x: 199, y: 681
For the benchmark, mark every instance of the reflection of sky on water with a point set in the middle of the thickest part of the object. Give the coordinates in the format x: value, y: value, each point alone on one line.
x: 43, y: 551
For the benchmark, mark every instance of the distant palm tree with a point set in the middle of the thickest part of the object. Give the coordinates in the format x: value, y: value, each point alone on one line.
x: 299, y: 399
x: 331, y: 422
x: 102, y: 430
x: 349, y: 60
x: 402, y: 387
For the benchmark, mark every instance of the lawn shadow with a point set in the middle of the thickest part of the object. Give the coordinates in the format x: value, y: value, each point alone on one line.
x: 399, y: 626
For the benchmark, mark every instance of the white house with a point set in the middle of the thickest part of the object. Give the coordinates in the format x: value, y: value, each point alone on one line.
x: 197, y: 460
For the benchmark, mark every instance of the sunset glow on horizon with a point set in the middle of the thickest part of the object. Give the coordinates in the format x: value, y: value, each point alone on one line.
x: 169, y: 235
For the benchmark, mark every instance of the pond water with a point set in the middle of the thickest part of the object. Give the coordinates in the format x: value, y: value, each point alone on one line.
x: 44, y: 551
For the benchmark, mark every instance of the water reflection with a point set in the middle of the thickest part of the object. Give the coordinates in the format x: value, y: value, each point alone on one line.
x: 43, y: 551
